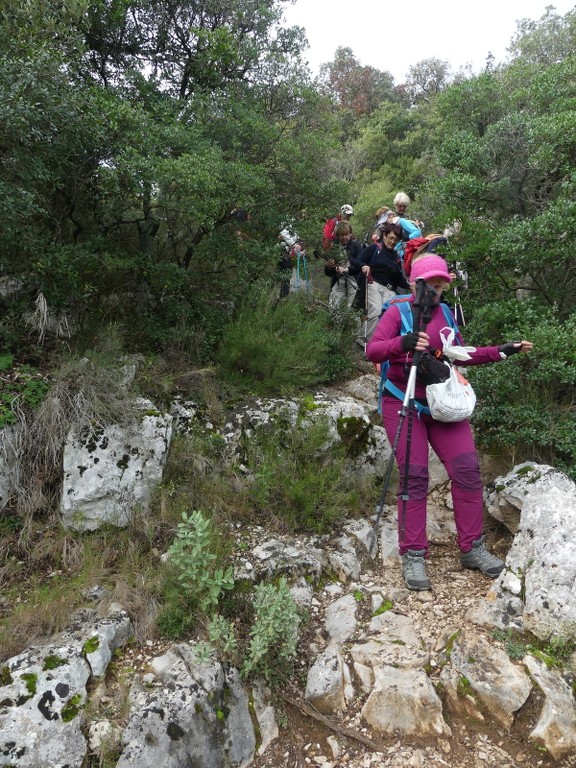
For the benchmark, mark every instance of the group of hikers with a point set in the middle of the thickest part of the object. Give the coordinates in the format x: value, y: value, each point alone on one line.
x: 365, y: 277
x: 419, y: 349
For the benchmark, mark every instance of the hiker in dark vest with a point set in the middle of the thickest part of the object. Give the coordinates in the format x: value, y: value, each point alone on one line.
x: 343, y: 266
x: 452, y: 441
x: 382, y: 271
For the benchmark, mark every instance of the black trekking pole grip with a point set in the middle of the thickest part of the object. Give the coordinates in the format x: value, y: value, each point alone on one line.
x: 422, y: 315
x: 408, y: 395
x: 425, y: 297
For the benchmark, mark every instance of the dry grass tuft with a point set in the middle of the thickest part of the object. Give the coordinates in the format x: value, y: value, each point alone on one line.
x: 83, y: 395
x: 44, y: 613
x: 142, y: 605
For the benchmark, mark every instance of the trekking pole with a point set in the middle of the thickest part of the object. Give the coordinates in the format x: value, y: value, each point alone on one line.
x: 368, y: 279
x: 458, y: 311
x: 407, y: 406
x: 305, y: 265
x: 298, y: 257
x: 424, y: 319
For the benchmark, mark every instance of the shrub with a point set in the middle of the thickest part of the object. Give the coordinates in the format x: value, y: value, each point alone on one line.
x: 297, y: 481
x: 525, y: 405
x: 555, y: 652
x: 267, y: 641
x: 289, y: 476
x: 277, y: 345
x: 192, y: 555
x: 22, y: 388
x: 274, y: 635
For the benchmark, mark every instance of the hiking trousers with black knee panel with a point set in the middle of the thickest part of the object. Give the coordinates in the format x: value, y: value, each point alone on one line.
x: 454, y: 446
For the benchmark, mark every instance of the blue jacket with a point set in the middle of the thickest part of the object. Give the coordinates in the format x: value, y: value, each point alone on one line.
x: 409, y: 230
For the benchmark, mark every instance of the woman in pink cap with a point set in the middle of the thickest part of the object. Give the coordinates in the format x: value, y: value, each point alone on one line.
x: 452, y: 442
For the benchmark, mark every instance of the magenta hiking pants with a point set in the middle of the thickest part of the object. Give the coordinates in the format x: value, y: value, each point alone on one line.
x: 454, y: 446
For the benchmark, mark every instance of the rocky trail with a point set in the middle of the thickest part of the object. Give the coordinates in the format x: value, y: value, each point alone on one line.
x: 384, y: 677
x: 308, y: 738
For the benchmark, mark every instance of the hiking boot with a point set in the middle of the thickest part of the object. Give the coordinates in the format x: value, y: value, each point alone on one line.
x: 414, y: 569
x: 480, y: 559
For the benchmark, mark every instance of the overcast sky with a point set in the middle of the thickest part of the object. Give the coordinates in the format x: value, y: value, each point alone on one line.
x: 393, y: 38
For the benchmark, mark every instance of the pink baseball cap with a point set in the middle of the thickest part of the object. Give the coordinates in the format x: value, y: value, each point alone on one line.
x: 428, y: 267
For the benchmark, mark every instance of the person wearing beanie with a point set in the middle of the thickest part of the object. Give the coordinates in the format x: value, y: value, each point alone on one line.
x: 428, y: 266
x: 453, y: 442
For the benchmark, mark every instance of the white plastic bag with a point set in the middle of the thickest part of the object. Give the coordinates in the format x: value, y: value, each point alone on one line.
x: 454, y: 352
x: 451, y: 400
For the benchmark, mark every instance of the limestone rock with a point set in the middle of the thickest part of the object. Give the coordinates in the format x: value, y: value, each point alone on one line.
x: 502, y: 686
x: 535, y: 592
x: 343, y: 559
x: 44, y: 692
x: 348, y: 422
x: 110, y: 474
x: 199, y: 715
x: 506, y: 495
x: 556, y: 726
x: 277, y: 557
x: 266, y: 716
x: 325, y: 684
x: 404, y: 700
x: 341, y: 619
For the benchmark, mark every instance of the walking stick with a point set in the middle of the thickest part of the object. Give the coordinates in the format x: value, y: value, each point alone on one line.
x: 458, y: 311
x: 422, y: 300
x: 367, y: 280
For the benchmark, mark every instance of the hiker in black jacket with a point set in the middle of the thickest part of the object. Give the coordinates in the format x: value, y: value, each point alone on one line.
x: 382, y: 270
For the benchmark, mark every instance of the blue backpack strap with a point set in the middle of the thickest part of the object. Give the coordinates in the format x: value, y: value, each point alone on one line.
x: 397, y: 392
x: 406, y: 319
x: 451, y: 320
x: 406, y: 325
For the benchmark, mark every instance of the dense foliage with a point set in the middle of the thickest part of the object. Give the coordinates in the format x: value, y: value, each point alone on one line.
x: 150, y: 152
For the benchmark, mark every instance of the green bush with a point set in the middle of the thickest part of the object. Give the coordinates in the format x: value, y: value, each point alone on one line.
x: 21, y: 387
x: 262, y: 639
x: 288, y: 477
x: 525, y: 408
x: 296, y: 482
x: 192, y: 555
x: 555, y: 652
x: 273, y: 346
x: 274, y: 634
x: 178, y: 616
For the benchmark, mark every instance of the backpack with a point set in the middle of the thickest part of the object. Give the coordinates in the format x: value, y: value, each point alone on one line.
x: 328, y: 231
x: 406, y: 326
x: 418, y: 246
